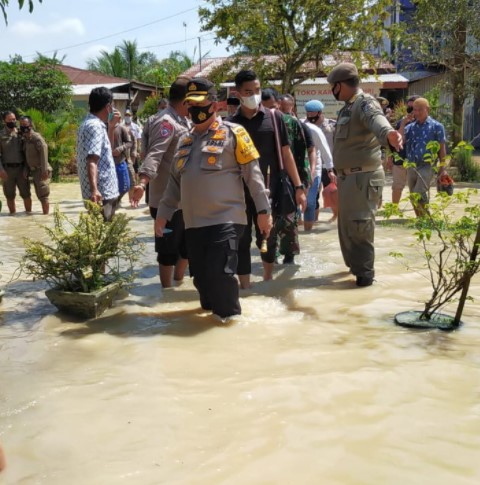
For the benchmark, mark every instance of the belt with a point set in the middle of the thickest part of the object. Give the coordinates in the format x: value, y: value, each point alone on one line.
x: 353, y: 170
x: 10, y: 165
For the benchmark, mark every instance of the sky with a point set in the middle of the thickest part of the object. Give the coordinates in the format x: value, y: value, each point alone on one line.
x: 94, y: 25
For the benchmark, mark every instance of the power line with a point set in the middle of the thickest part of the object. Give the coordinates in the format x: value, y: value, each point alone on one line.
x: 179, y: 41
x: 115, y: 34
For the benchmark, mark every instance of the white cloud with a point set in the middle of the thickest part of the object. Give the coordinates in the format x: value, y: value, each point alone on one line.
x: 62, y: 26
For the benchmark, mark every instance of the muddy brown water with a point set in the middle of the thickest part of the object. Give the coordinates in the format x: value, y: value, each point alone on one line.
x: 313, y: 384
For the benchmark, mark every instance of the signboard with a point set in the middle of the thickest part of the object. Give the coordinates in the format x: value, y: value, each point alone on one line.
x: 323, y: 93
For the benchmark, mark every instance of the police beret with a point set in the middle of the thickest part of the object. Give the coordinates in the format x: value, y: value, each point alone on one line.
x: 342, y: 72
x: 314, y: 105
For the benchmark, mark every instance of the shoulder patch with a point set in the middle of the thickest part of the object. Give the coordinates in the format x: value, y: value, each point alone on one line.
x: 166, y: 129
x: 245, y: 150
x: 370, y: 106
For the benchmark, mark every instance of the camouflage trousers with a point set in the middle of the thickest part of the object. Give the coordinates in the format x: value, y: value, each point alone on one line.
x: 286, y: 231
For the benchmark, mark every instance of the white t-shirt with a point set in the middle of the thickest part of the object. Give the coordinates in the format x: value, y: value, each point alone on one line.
x: 324, y: 155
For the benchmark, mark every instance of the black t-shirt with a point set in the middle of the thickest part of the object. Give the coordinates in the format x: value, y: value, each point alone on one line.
x: 260, y: 128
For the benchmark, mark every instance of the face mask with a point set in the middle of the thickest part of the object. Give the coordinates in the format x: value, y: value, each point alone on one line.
x: 313, y: 119
x: 110, y: 116
x: 128, y: 119
x: 251, y: 102
x: 409, y: 109
x: 199, y: 114
x: 25, y: 129
x: 11, y: 124
x: 336, y: 96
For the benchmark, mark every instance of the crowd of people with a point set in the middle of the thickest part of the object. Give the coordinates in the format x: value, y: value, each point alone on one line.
x: 210, y: 181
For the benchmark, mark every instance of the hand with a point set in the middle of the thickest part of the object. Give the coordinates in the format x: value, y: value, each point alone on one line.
x: 137, y: 195
x: 115, y: 119
x: 301, y: 199
x: 332, y: 177
x: 395, y: 139
x: 44, y: 176
x: 96, y: 197
x: 159, y: 226
x: 3, y: 175
x: 116, y: 152
x: 265, y: 224
x: 25, y: 174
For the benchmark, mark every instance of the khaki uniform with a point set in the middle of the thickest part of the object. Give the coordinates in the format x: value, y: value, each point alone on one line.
x: 361, y: 130
x: 36, y: 155
x: 159, y: 140
x: 12, y: 160
x: 207, y: 176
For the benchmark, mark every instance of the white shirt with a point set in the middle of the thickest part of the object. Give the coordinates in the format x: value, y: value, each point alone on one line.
x: 324, y: 155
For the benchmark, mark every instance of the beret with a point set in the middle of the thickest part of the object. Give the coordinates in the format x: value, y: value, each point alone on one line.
x: 314, y: 105
x: 342, y: 72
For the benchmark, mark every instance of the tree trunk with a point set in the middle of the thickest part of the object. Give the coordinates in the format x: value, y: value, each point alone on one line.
x: 458, y: 82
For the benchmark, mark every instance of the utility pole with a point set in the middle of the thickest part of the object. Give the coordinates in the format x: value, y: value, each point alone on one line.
x: 200, y: 52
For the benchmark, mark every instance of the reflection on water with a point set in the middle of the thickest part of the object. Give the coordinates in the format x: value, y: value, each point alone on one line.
x: 312, y: 384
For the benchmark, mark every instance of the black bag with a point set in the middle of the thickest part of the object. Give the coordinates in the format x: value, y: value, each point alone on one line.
x: 283, y: 197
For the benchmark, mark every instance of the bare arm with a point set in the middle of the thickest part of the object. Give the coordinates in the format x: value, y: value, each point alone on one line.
x: 92, y: 170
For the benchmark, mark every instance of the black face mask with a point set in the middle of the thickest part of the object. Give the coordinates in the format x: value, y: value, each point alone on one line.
x: 11, y: 124
x: 409, y: 109
x: 313, y: 119
x: 199, y: 114
x: 336, y: 96
x: 25, y: 129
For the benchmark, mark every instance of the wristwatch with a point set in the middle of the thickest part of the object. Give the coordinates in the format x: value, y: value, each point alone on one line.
x: 300, y: 187
x: 144, y: 187
x: 264, y: 211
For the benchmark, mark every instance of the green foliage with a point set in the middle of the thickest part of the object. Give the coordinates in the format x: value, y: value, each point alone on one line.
x: 162, y: 73
x: 298, y: 31
x: 84, y: 255
x: 445, y: 238
x: 150, y: 107
x: 125, y: 61
x: 59, y: 131
x: 39, y: 86
x: 5, y: 3
x: 468, y: 169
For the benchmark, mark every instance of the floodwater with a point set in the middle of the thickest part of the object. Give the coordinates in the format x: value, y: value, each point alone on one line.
x: 313, y: 384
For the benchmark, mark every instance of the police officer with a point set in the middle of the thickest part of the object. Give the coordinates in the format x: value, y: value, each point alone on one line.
x: 206, y: 177
x: 36, y: 155
x: 360, y: 132
x: 12, y: 164
x: 160, y: 137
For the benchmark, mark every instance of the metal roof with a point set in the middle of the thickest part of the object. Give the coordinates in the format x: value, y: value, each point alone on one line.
x: 84, y: 89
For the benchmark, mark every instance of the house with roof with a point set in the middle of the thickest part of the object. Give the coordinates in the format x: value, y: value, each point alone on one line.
x: 126, y: 93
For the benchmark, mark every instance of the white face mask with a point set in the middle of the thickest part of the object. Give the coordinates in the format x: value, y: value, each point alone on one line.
x: 128, y: 119
x: 251, y: 102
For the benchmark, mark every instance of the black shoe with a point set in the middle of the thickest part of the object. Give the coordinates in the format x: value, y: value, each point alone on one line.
x: 289, y: 259
x: 364, y: 281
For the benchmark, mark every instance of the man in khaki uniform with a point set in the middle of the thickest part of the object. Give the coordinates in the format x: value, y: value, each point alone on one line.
x: 36, y: 155
x: 12, y: 164
x: 159, y: 140
x: 361, y: 130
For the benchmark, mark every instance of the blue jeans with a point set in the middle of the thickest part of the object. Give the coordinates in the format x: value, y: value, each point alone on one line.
x: 309, y: 215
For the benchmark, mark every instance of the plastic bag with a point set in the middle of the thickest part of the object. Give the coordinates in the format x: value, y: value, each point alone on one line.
x: 330, y: 196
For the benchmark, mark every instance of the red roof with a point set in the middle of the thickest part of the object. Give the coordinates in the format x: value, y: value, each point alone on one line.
x: 82, y: 76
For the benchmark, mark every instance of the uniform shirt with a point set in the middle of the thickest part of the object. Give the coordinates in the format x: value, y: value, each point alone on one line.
x: 417, y: 135
x: 328, y: 128
x: 260, y: 128
x: 161, y: 135
x: 92, y: 139
x: 11, y: 150
x: 206, y: 176
x: 36, y: 152
x: 324, y: 156
x: 360, y: 132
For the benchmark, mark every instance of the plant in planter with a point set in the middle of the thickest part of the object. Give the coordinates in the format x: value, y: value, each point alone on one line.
x: 85, y: 262
x: 448, y: 239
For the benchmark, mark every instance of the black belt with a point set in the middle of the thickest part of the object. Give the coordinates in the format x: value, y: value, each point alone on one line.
x: 13, y: 165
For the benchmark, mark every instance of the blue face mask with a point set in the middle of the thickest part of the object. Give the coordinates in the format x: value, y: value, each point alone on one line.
x: 110, y: 116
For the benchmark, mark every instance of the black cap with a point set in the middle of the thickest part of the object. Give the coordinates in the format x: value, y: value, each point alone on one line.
x: 199, y: 89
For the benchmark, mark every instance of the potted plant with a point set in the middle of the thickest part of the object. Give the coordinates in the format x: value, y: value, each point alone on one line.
x: 85, y: 262
x: 447, y: 237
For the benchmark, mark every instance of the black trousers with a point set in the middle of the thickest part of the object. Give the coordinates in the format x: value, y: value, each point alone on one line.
x: 213, y: 257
